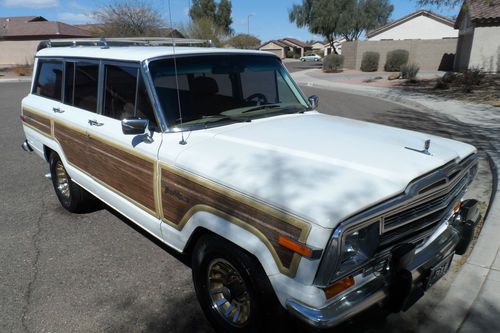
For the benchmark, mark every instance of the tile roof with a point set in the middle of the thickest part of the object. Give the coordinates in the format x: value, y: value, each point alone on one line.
x: 22, y: 19
x: 41, y: 28
x: 428, y: 13
x: 295, y: 41
x: 483, y: 11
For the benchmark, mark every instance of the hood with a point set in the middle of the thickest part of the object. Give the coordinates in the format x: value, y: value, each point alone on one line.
x: 321, y: 168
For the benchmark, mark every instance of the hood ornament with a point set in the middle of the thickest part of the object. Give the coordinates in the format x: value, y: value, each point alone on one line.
x: 427, y: 145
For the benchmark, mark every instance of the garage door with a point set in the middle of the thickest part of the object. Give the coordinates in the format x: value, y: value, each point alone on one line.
x: 278, y: 52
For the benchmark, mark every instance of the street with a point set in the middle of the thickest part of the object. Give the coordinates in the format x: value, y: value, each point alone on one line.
x: 94, y: 272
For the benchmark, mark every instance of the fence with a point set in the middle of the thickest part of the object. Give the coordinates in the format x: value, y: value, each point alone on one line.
x: 429, y: 54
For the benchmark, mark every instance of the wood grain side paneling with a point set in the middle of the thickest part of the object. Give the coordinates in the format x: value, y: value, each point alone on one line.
x: 123, y: 171
x: 37, y: 121
x: 73, y: 143
x: 181, y: 193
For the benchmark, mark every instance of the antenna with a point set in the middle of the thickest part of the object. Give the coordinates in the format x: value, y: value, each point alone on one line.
x: 183, y: 141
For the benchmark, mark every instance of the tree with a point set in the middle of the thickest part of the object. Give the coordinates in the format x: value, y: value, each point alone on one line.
x: 219, y: 14
x: 244, y: 41
x: 223, y: 16
x: 440, y: 3
x: 129, y: 18
x: 204, y: 28
x: 203, y: 9
x: 340, y: 18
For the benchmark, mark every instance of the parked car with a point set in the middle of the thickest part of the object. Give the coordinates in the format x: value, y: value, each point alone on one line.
x: 311, y: 57
x: 281, y: 209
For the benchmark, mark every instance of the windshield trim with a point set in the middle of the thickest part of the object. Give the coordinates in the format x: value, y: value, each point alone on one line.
x: 168, y: 128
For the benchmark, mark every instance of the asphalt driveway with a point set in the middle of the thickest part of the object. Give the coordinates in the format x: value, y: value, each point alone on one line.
x: 61, y: 272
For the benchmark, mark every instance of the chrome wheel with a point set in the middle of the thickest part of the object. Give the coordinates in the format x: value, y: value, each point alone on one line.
x: 62, y: 180
x: 228, y: 293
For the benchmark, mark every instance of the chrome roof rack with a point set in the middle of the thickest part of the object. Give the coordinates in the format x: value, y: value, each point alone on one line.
x: 131, y: 41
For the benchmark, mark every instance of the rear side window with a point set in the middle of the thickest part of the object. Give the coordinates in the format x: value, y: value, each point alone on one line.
x: 86, y: 82
x: 49, y: 79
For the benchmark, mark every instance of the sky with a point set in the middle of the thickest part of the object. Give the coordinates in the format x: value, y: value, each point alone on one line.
x: 268, y: 20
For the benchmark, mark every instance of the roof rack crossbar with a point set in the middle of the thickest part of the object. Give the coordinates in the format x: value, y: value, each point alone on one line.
x: 131, y: 41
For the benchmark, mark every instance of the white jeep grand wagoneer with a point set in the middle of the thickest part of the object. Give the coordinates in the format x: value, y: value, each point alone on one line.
x: 218, y: 154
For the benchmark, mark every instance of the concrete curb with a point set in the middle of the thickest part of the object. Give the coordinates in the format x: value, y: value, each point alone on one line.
x: 474, y: 295
x: 19, y: 79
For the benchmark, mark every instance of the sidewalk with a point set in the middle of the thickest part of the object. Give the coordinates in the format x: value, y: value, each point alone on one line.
x: 474, y: 295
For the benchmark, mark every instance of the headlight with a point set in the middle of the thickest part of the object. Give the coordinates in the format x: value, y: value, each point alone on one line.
x: 358, y: 247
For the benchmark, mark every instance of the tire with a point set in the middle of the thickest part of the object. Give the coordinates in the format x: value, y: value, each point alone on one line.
x: 215, y: 262
x: 71, y: 196
x: 302, y: 60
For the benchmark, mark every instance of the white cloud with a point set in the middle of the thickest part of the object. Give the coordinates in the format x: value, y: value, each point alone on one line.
x: 31, y: 3
x: 74, y: 17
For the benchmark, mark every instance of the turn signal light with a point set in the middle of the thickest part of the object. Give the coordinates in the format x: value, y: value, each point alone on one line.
x: 457, y: 207
x: 294, y: 246
x: 339, y: 287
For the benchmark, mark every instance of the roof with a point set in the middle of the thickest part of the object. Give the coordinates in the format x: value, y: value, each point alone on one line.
x: 427, y: 13
x: 277, y: 42
x: 42, y: 28
x: 135, y: 53
x: 296, y: 42
x: 480, y: 11
x: 22, y: 19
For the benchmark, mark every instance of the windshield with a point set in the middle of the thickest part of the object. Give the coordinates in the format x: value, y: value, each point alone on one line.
x: 221, y: 89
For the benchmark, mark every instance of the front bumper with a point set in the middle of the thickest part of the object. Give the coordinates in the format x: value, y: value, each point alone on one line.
x: 401, y: 287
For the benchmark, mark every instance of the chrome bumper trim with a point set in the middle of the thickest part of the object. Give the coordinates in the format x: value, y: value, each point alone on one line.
x: 375, y: 290
x: 355, y: 302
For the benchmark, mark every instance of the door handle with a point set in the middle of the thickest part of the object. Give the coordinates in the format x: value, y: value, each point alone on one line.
x: 94, y: 123
x: 57, y: 110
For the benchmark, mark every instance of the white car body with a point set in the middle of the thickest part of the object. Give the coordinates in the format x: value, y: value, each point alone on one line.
x: 311, y: 57
x: 317, y: 168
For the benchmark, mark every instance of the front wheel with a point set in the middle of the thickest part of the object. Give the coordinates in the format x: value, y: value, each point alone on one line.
x: 71, y: 196
x: 232, y: 288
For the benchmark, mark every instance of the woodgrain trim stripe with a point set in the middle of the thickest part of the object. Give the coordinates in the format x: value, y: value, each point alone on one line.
x: 184, y: 194
x: 37, y: 121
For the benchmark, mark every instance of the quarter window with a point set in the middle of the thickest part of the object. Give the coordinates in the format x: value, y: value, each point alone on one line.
x: 86, y: 80
x: 49, y: 79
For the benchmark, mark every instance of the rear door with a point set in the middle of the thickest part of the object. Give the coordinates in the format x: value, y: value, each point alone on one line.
x: 125, y: 166
x: 80, y: 95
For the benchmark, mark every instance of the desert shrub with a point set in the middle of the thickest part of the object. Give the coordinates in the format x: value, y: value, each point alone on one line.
x: 290, y: 54
x: 369, y: 62
x: 410, y: 71
x: 333, y: 63
x: 449, y: 77
x: 442, y: 84
x: 471, y: 77
x: 395, y: 59
x: 23, y: 70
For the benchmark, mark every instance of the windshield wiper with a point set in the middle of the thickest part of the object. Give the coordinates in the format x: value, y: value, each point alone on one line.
x: 262, y: 107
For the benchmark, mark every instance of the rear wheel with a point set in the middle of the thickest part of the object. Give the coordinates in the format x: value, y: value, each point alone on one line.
x: 71, y: 196
x: 232, y: 288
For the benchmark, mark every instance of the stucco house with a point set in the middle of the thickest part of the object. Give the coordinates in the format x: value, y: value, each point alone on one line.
x: 479, y: 35
x: 337, y: 45
x: 422, y: 24
x: 282, y: 46
x: 20, y: 35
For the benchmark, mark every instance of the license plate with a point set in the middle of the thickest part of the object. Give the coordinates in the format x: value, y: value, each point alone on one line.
x: 439, y: 270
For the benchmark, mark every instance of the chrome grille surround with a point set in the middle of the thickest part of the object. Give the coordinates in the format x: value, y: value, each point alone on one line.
x: 411, y: 217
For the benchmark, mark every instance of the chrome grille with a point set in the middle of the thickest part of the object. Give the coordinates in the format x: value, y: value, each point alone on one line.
x: 411, y: 217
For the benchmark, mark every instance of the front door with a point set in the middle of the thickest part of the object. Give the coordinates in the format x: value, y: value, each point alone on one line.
x: 125, y: 166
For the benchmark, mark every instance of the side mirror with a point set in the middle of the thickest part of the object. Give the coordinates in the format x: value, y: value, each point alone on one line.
x: 313, y: 101
x: 134, y: 125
